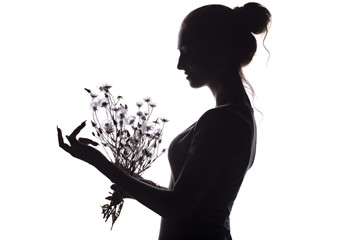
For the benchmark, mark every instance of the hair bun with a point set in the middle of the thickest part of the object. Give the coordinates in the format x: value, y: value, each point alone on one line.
x: 254, y: 17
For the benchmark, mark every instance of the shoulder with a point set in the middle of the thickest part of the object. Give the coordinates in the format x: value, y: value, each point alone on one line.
x: 227, y: 116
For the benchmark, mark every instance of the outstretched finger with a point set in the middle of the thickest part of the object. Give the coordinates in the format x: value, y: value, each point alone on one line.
x: 59, y: 135
x: 61, y: 143
x: 77, y: 130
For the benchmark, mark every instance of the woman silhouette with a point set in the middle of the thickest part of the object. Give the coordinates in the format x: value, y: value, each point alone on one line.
x: 210, y: 158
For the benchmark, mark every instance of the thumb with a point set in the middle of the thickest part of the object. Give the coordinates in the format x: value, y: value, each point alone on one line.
x: 87, y: 141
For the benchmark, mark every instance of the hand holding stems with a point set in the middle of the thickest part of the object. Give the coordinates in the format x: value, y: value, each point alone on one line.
x: 149, y: 182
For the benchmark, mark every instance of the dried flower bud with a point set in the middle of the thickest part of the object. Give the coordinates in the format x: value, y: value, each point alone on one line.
x: 139, y: 104
x: 164, y: 120
x: 156, y: 121
x: 139, y: 114
x: 93, y: 95
x: 147, y: 99
x: 153, y: 105
x: 105, y: 87
x: 88, y: 90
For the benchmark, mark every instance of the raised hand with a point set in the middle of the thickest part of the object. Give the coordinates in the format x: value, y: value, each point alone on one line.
x: 79, y: 148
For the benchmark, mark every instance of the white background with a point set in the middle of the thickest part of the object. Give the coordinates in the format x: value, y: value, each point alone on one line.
x: 50, y: 50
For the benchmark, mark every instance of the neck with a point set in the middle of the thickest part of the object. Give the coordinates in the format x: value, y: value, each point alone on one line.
x: 230, y: 91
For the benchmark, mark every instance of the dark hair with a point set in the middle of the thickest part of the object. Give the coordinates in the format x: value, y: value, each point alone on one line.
x: 216, y: 24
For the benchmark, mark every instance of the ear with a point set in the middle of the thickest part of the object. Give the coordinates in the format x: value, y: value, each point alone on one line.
x: 225, y: 52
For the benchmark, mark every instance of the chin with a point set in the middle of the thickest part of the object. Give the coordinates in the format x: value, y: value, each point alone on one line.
x: 196, y: 85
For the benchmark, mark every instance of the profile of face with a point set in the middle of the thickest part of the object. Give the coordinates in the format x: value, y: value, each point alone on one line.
x: 197, y: 60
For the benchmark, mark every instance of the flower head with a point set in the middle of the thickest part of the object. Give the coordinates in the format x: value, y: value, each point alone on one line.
x: 105, y: 87
x: 157, y: 133
x: 147, y: 128
x: 104, y: 102
x: 95, y: 104
x: 121, y: 113
x: 130, y: 120
x: 108, y: 126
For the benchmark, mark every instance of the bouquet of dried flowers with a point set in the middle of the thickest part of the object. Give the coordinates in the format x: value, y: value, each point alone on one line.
x: 131, y: 142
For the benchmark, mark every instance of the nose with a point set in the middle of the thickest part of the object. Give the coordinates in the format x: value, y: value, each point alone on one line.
x: 181, y: 64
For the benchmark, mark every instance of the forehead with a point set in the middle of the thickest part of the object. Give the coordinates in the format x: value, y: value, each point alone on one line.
x: 187, y: 37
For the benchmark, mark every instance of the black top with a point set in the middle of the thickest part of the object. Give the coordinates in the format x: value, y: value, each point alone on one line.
x: 227, y: 136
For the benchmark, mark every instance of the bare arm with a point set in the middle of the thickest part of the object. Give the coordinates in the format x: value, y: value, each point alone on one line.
x: 193, y: 183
